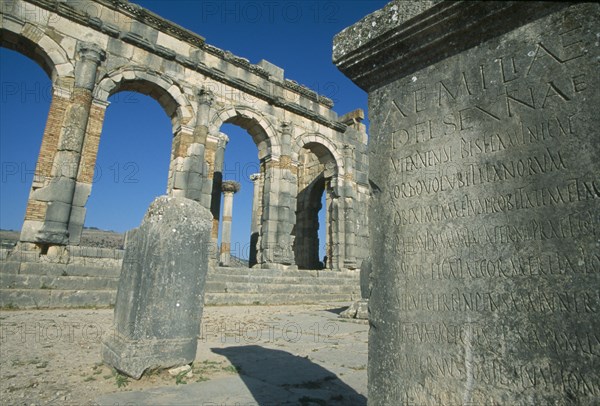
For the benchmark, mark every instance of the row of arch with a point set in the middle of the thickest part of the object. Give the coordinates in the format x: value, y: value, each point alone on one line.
x: 175, y: 102
x: 53, y: 59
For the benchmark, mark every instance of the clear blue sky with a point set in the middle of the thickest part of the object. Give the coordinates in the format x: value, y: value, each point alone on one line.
x: 135, y: 147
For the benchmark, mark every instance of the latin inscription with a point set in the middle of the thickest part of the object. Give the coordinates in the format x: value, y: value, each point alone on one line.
x: 488, y: 167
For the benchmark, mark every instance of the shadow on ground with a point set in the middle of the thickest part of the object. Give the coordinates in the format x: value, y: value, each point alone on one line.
x: 337, y: 310
x: 266, y: 371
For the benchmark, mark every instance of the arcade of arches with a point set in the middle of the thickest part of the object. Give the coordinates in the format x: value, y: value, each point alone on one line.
x: 305, y: 149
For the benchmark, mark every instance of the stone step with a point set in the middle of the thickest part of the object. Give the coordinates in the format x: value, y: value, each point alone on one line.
x: 11, y: 281
x: 287, y: 273
x: 211, y: 277
x: 277, y: 288
x: 9, y: 267
x: 42, y: 268
x: 95, y: 252
x: 217, y: 299
x: 55, y: 298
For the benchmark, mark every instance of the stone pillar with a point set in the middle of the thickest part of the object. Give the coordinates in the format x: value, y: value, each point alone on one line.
x: 484, y: 162
x: 37, y: 205
x: 350, y: 215
x: 336, y: 229
x: 215, y: 155
x: 229, y: 189
x: 279, y: 204
x: 53, y: 202
x: 188, y: 170
x: 206, y: 101
x: 85, y: 177
x: 256, y: 218
x: 328, y: 228
x: 279, y: 211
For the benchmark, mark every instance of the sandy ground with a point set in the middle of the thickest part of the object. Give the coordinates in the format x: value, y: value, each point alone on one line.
x: 53, y: 356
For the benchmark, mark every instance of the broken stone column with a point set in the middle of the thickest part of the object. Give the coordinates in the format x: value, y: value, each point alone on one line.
x: 256, y: 217
x: 229, y: 189
x: 484, y: 162
x: 161, y: 290
x: 216, y: 157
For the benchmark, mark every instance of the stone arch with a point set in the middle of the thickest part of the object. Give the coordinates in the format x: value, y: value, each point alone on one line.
x: 323, y: 148
x: 258, y: 126
x: 36, y: 45
x: 32, y: 42
x: 320, y: 168
x: 160, y: 87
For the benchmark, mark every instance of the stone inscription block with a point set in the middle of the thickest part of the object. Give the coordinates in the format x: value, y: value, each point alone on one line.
x: 161, y: 290
x: 486, y: 222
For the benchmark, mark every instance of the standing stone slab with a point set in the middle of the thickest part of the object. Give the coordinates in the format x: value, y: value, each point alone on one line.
x: 485, y: 220
x: 161, y: 291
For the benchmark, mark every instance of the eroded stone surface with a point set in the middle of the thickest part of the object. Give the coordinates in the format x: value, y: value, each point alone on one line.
x: 485, y: 169
x: 161, y: 290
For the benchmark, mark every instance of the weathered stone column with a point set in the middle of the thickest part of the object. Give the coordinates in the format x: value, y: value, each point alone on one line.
x: 279, y: 211
x: 350, y: 219
x: 188, y: 167
x: 215, y: 155
x: 279, y: 204
x: 229, y: 189
x: 37, y: 205
x: 256, y: 217
x: 336, y: 228
x: 55, y: 200
x: 87, y: 166
x: 201, y: 136
x: 484, y: 162
x: 328, y: 227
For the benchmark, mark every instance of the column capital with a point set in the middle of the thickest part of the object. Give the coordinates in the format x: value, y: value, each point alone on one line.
x: 349, y: 148
x: 230, y: 186
x: 255, y: 177
x: 63, y: 92
x: 183, y: 129
x: 206, y: 97
x: 101, y: 103
x: 223, y: 139
x: 286, y: 127
x: 90, y: 56
x: 89, y: 51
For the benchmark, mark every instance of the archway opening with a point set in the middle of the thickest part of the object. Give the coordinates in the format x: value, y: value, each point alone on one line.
x: 241, y: 161
x: 25, y: 97
x: 313, y: 242
x: 133, y: 160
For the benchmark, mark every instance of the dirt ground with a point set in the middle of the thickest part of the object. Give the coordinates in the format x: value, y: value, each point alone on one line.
x: 52, y: 357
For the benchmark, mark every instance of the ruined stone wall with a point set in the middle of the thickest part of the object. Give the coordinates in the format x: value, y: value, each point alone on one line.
x: 93, y: 49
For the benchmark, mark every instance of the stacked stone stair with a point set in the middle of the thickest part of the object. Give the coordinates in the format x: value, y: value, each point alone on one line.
x: 269, y: 286
x: 28, y: 280
x: 90, y: 276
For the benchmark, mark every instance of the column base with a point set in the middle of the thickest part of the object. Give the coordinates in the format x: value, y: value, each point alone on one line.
x: 134, y: 357
x: 56, y: 234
